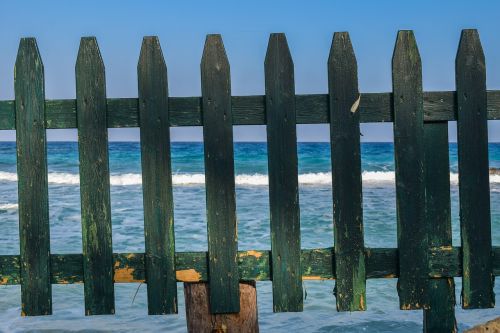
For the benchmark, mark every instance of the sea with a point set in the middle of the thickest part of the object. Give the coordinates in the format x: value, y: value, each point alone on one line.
x: 252, y: 199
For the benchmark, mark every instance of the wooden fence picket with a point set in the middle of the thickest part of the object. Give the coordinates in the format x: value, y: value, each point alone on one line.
x: 94, y: 180
x: 283, y: 176
x: 219, y: 178
x: 409, y: 158
x: 472, y: 135
x: 31, y: 141
x: 157, y: 179
x: 350, y: 271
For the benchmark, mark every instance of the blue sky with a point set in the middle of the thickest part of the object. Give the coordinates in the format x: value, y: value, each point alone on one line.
x: 245, y: 26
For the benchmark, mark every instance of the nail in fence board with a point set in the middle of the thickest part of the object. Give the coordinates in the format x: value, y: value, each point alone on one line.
x: 94, y: 179
x: 219, y: 178
x: 157, y: 179
x: 440, y: 317
x: 31, y: 142
x: 409, y: 157
x: 475, y: 219
x: 350, y: 288
x: 283, y: 176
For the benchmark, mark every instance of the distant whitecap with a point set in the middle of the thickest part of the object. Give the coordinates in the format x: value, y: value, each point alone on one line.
x: 185, y: 179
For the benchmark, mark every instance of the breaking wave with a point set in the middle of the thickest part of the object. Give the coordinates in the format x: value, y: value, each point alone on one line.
x: 9, y: 206
x: 319, y: 178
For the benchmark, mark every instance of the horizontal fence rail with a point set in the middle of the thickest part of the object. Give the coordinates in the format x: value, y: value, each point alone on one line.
x: 317, y: 264
x: 425, y: 263
x: 250, y: 110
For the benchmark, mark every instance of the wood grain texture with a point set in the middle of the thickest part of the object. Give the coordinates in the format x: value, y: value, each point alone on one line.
x: 446, y: 261
x: 474, y: 186
x: 219, y: 178
x: 94, y: 179
x: 317, y: 264
x: 350, y: 287
x: 440, y: 317
x: 31, y: 143
x: 157, y: 179
x: 409, y: 163
x: 250, y: 110
x: 283, y: 176
x: 200, y: 320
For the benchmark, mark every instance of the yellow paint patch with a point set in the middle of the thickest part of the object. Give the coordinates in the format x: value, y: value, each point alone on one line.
x: 252, y: 253
x: 123, y: 275
x: 406, y: 307
x: 443, y: 248
x: 314, y: 277
x: 465, y: 303
x: 188, y: 275
x: 61, y: 281
x: 410, y: 307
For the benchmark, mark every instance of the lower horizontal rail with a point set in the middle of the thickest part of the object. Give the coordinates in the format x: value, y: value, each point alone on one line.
x: 317, y: 264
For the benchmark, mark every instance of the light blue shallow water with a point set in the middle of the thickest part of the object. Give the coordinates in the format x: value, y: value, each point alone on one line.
x: 319, y: 314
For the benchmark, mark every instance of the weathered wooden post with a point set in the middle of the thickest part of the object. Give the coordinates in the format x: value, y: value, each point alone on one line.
x: 224, y: 304
x: 350, y: 288
x: 440, y: 316
x: 200, y: 319
x: 94, y: 180
x: 283, y: 176
x: 34, y: 234
x: 409, y: 163
x: 157, y: 179
x: 474, y: 185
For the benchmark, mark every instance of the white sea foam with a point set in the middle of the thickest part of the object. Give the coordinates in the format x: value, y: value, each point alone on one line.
x: 183, y: 179
x: 8, y: 176
x: 9, y: 206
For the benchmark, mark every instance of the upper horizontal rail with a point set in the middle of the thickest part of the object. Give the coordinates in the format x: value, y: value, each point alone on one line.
x: 249, y: 110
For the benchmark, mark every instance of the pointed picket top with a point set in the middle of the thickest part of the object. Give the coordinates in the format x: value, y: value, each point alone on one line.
x: 406, y: 56
x: 151, y: 53
x: 28, y: 59
x: 278, y: 56
x: 342, y: 51
x: 470, y: 52
x: 343, y: 68
x: 214, y: 56
x: 89, y: 54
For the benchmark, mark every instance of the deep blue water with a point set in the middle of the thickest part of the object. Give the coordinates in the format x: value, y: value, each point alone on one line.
x: 319, y: 314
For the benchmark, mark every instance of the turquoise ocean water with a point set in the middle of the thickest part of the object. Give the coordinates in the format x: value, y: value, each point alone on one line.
x: 319, y: 313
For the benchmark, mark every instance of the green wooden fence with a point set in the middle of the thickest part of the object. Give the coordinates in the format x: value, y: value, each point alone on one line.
x: 425, y: 263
